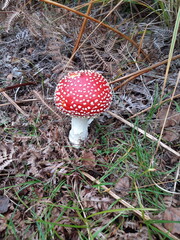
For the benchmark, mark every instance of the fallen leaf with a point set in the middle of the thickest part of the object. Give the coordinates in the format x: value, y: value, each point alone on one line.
x: 172, y: 214
x: 170, y: 135
x: 172, y: 119
x: 88, y: 159
x: 4, y: 204
x: 170, y: 201
x: 122, y: 185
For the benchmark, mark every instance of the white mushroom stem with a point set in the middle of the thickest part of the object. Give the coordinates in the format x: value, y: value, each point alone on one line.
x: 79, y: 130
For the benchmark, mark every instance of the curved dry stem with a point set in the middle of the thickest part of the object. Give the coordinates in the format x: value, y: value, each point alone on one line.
x: 82, y: 28
x: 15, y: 105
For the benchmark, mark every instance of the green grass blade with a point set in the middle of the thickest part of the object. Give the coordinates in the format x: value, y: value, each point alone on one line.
x: 121, y: 210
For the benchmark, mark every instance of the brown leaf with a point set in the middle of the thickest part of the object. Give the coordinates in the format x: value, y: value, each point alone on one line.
x: 172, y: 214
x: 90, y: 200
x: 172, y: 119
x: 170, y: 201
x: 170, y: 135
x: 122, y: 185
x: 4, y: 204
x: 88, y: 159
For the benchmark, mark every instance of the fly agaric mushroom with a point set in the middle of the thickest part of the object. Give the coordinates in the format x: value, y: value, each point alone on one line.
x: 82, y: 95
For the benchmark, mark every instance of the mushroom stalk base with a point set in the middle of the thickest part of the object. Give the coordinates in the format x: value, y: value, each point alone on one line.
x: 79, y: 130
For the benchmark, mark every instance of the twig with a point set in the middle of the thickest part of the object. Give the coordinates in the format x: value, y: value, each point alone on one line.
x: 24, y: 101
x: 16, y: 86
x: 127, y: 81
x: 38, y: 95
x: 110, y: 192
x: 144, y: 70
x: 126, y: 204
x: 144, y: 133
x: 97, y: 21
x: 141, y: 43
x: 165, y: 190
x: 82, y: 28
x: 160, y: 183
x: 15, y: 104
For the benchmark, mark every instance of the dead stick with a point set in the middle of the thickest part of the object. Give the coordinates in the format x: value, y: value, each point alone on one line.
x: 16, y: 86
x: 126, y: 204
x: 38, y: 95
x: 15, y: 104
x: 144, y: 70
x: 144, y: 133
x: 82, y: 27
x: 25, y: 101
x: 126, y: 82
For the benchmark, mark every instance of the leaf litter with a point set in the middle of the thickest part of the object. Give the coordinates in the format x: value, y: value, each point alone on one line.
x: 4, y: 204
x: 122, y: 186
x: 39, y: 168
x: 172, y: 129
x: 172, y: 214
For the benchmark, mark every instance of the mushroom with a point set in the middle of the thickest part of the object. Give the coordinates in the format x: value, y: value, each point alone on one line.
x: 83, y: 95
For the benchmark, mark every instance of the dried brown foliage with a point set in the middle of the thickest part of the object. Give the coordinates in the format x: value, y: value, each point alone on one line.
x: 40, y: 174
x: 6, y: 156
x: 172, y: 214
x: 122, y: 186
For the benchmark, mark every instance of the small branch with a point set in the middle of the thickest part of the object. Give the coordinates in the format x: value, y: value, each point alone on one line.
x: 82, y: 28
x: 144, y: 133
x: 16, y: 86
x: 110, y: 192
x: 25, y: 101
x: 38, y: 95
x: 141, y: 43
x: 142, y: 71
x: 15, y: 104
x: 72, y: 56
x: 126, y: 204
x: 126, y: 82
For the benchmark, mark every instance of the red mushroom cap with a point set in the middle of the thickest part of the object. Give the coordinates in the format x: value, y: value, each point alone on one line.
x: 83, y: 93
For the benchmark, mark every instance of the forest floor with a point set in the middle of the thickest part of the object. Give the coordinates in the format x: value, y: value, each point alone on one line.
x: 50, y: 190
